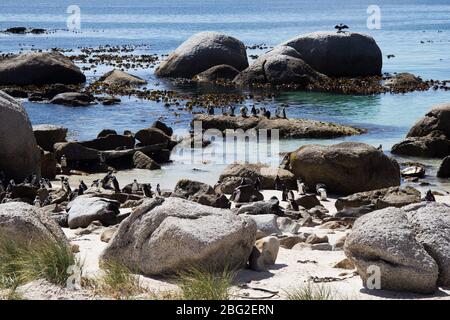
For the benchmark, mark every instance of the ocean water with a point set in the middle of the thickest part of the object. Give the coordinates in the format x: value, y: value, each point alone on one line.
x: 416, y: 32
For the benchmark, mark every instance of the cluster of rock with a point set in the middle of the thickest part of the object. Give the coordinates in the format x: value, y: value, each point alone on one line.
x: 304, y: 60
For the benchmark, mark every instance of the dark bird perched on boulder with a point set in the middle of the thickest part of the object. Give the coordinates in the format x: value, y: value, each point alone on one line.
x: 115, y: 184
x: 147, y: 189
x: 340, y: 27
x: 321, y: 190
x: 83, y: 186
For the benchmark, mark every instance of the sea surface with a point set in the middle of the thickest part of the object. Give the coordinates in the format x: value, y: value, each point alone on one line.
x: 416, y: 32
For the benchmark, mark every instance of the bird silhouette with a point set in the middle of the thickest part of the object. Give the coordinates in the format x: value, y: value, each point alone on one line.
x: 340, y: 27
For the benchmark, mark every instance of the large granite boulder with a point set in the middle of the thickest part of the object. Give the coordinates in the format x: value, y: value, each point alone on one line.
x: 151, y: 136
x: 75, y: 151
x: 345, y: 168
x: 86, y: 209
x: 345, y: 54
x: 265, y: 173
x: 21, y: 222
x: 430, y: 136
x: 120, y: 78
x: 37, y: 68
x: 19, y: 154
x: 142, y: 161
x: 164, y: 236
x: 47, y: 135
x: 410, y: 245
x: 380, y: 199
x: 201, y: 52
x: 281, y: 65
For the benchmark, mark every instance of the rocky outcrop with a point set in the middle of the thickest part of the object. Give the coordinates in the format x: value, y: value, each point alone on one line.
x: 200, y: 192
x: 345, y: 54
x: 74, y: 151
x: 345, y: 168
x: 151, y: 136
x: 250, y: 171
x: 201, y: 52
x: 86, y: 209
x: 19, y: 154
x: 142, y: 161
x: 110, y: 142
x: 287, y: 128
x: 122, y: 79
x: 281, y: 65
x: 164, y: 236
x: 21, y: 222
x: 73, y: 99
x: 380, y: 199
x: 264, y: 253
x: 410, y: 246
x: 271, y: 206
x: 47, y: 135
x: 221, y: 72
x: 430, y: 136
x: 38, y: 68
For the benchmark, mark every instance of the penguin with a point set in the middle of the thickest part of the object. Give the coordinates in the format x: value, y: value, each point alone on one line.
x: 83, y: 186
x: 135, y: 187
x: 147, y: 189
x: 37, y: 202
x: 278, y: 184
x: 321, y: 191
x: 158, y: 190
x: 257, y: 184
x: 115, y: 184
x: 95, y: 183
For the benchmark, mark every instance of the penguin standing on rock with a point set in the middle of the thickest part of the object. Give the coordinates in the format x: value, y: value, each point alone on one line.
x: 116, y: 185
x: 321, y: 191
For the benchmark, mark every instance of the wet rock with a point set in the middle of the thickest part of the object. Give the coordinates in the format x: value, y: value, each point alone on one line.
x: 413, y: 172
x: 265, y: 173
x: 74, y: 151
x: 345, y: 54
x: 281, y: 65
x: 164, y: 236
x: 287, y: 128
x: 403, y: 80
x: 120, y: 78
x: 73, y: 99
x: 19, y: 154
x: 106, y: 132
x: 201, y: 52
x: 345, y: 168
x: 142, y: 161
x: 86, y: 209
x: 221, y: 72
x: 110, y: 142
x: 21, y: 222
x: 163, y: 127
x: 37, y: 68
x: 47, y: 135
x: 380, y: 199
x: 151, y: 136
x: 444, y: 168
x: 430, y: 136
x: 16, y: 30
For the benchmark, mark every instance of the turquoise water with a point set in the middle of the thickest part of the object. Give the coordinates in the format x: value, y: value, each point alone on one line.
x: 416, y: 32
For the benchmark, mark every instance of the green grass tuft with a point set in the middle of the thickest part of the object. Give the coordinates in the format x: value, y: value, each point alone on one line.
x: 197, y: 284
x: 118, y: 282
x: 312, y: 291
x: 21, y: 262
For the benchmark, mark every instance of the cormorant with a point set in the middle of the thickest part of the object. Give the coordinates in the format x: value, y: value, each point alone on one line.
x: 340, y: 27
